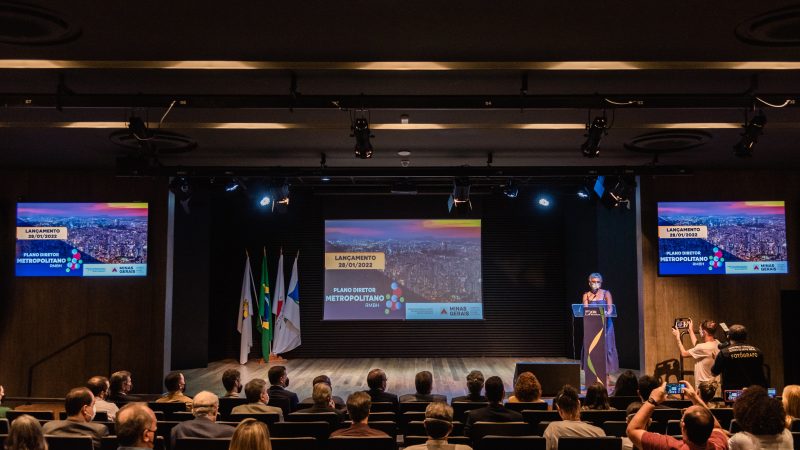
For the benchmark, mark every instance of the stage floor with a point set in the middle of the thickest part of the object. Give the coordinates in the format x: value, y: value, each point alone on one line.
x: 350, y: 374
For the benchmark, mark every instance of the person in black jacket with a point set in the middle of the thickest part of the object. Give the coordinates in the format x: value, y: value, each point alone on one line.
x: 474, y: 386
x: 495, y: 412
x: 323, y: 403
x: 740, y: 364
x: 376, y: 380
x: 278, y: 394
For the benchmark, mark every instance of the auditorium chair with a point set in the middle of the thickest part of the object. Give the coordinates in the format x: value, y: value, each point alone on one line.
x: 110, y: 443
x: 383, y: 407
x: 460, y: 409
x: 267, y: 418
x: 795, y: 426
x: 598, y: 417
x: 318, y: 430
x: 69, y: 442
x: 416, y: 440
x: 594, y: 443
x: 735, y: 427
x: 361, y: 443
x: 796, y: 437
x: 226, y: 404
x: 183, y: 416
x: 293, y: 443
x: 481, y: 429
x: 615, y: 428
x: 409, y: 416
x: 167, y: 408
x: 724, y: 416
x: 677, y: 404
x: 164, y: 429
x: 3, y: 427
x: 662, y: 416
x: 382, y: 416
x: 413, y: 406
x: 522, y: 406
x: 285, y: 404
x: 303, y: 405
x: 621, y: 402
x: 535, y: 417
x: 331, y: 417
x: 673, y: 427
x: 3, y: 437
x: 38, y: 415
x: 190, y: 443
x: 100, y: 416
x: 492, y: 442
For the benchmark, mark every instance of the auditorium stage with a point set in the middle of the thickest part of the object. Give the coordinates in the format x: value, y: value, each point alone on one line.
x: 350, y: 374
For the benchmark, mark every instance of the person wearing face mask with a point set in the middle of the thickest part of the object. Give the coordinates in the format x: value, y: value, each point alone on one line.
x: 278, y: 394
x: 79, y: 404
x: 596, y: 296
x: 176, y: 386
x: 703, y: 353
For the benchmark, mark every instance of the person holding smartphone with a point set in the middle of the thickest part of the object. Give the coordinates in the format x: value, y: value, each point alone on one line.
x: 703, y: 353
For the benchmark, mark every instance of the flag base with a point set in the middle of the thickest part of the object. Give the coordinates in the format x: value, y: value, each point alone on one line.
x: 273, y: 358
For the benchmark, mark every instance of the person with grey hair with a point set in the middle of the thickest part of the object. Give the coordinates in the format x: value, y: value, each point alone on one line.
x: 25, y: 433
x: 135, y: 426
x: 323, y: 403
x: 475, y: 382
x: 438, y: 425
x: 204, y: 408
x: 596, y: 296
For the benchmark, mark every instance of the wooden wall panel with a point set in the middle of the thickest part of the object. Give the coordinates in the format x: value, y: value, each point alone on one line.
x: 752, y: 300
x: 39, y: 315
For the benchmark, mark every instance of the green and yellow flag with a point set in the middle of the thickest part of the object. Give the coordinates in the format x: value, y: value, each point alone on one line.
x: 265, y: 310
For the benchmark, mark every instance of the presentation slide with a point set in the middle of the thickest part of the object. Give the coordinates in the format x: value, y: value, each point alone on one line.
x: 722, y: 238
x: 81, y: 239
x: 403, y: 270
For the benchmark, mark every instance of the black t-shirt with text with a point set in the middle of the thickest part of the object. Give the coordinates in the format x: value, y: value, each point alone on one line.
x: 741, y: 365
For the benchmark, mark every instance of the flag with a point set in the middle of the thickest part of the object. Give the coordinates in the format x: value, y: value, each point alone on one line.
x: 287, y: 328
x: 265, y: 310
x: 245, y: 324
x: 280, y: 291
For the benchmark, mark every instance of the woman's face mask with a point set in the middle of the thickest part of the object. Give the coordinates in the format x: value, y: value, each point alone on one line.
x: 595, y: 285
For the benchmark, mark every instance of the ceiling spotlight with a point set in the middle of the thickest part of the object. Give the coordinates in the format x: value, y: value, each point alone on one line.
x: 460, y: 195
x: 325, y: 178
x: 618, y: 191
x: 360, y: 129
x: 265, y: 201
x: 594, y: 133
x: 510, y: 189
x: 543, y: 201
x: 234, y: 185
x: 752, y: 131
x: 583, y: 193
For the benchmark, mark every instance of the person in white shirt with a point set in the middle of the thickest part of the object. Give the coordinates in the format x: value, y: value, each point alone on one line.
x: 703, y: 353
x: 100, y: 387
x: 570, y: 425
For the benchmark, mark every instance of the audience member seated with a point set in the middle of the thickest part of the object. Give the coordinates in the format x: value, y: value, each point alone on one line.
x: 25, y: 433
x: 474, y: 387
x: 438, y: 425
x: 204, y: 409
x: 251, y: 434
x: 423, y: 381
x: 279, y: 381
x: 791, y: 403
x: 627, y: 385
x: 100, y: 389
x: 232, y: 380
x: 376, y: 380
x: 708, y: 392
x: 596, y: 398
x: 340, y: 404
x: 3, y: 409
x: 699, y: 428
x: 527, y: 389
x: 135, y: 425
x: 740, y: 364
x: 630, y: 412
x: 258, y: 397
x: 176, y: 386
x: 763, y: 422
x: 568, y: 406
x: 495, y: 412
x: 323, y: 403
x: 358, y: 406
x: 648, y: 383
x: 121, y: 386
x: 79, y: 404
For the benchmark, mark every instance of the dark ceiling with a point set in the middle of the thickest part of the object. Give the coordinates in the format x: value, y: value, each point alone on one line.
x: 507, y: 77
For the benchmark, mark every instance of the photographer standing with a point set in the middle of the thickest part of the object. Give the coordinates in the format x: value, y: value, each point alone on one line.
x: 740, y: 364
x: 703, y: 353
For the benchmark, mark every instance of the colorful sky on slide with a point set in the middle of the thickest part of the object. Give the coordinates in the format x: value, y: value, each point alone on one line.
x: 403, y: 229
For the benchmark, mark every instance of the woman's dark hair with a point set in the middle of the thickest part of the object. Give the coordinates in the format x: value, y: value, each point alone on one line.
x: 627, y: 385
x: 25, y: 433
x: 759, y: 414
x: 708, y: 390
x: 597, y: 397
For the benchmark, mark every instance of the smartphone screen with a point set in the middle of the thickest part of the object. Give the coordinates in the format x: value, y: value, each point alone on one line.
x: 731, y: 396
x: 674, y: 388
x: 772, y: 392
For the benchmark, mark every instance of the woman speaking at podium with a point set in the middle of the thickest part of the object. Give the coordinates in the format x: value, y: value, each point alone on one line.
x: 601, y: 297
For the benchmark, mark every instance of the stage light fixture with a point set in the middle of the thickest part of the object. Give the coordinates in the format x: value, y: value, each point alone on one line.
x: 360, y: 129
x: 543, y: 201
x: 620, y: 192
x: 138, y: 129
x: 234, y: 185
x: 583, y: 193
x: 510, y: 189
x: 752, y: 131
x: 594, y: 133
x: 265, y: 201
x: 459, y: 198
x: 325, y: 178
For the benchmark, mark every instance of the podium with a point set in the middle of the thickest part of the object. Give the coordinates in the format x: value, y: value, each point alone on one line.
x: 594, y: 339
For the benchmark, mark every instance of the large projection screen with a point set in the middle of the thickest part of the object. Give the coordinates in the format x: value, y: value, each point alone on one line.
x: 410, y: 269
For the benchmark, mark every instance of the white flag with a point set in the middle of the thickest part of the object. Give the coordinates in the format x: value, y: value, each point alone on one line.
x: 244, y: 322
x: 287, y: 325
x: 279, y: 298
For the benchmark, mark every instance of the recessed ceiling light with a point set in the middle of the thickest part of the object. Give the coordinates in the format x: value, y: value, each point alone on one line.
x: 404, y: 153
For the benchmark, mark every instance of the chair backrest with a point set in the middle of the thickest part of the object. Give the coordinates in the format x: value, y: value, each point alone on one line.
x: 522, y: 406
x: 267, y: 418
x: 481, y: 429
x: 382, y: 416
x: 331, y: 417
x: 673, y: 427
x: 182, y: 416
x: 666, y: 414
x: 304, y: 405
x: 409, y: 416
x: 622, y: 402
x: 594, y: 443
x: 167, y: 408
x: 361, y: 443
x: 100, y: 416
x: 416, y: 440
x: 724, y: 416
x: 318, y: 430
x: 383, y: 407
x: 69, y: 442
x: 796, y: 438
x: 615, y: 428
x: 413, y: 406
x: 678, y: 404
x: 3, y: 427
x: 512, y: 443
x: 735, y: 427
x: 294, y: 443
x: 164, y: 428
x: 460, y: 409
x: 795, y: 427
x: 599, y: 417
x: 190, y: 443
x: 226, y: 404
x: 39, y: 415
x: 284, y: 403
x: 534, y: 417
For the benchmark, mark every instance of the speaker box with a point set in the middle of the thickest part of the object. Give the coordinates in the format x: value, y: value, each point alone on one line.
x: 552, y: 376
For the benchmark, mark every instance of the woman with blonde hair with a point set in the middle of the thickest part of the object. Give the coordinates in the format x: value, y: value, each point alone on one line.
x: 251, y: 434
x: 791, y: 403
x: 25, y: 433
